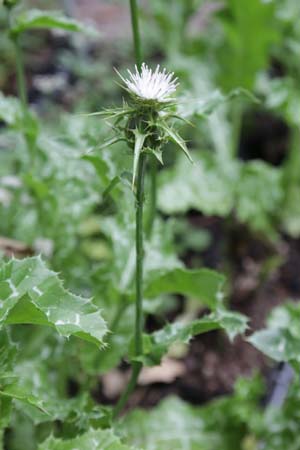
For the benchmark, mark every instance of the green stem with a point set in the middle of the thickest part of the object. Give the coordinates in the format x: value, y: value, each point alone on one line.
x: 1, y: 438
x: 22, y: 91
x: 236, y: 131
x: 20, y: 74
x: 136, y: 32
x: 138, y: 336
x: 152, y: 199
x: 138, y: 339
x: 136, y: 368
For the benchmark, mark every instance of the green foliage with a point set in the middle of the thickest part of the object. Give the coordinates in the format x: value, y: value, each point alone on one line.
x: 35, y: 18
x: 256, y: 205
x: 96, y: 439
x: 10, y: 110
x: 203, y: 284
x: 280, y: 424
x: 31, y: 293
x: 207, y: 186
x: 280, y: 340
x: 65, y: 192
x: 156, y: 345
x: 249, y: 32
x: 220, y: 187
x: 174, y: 424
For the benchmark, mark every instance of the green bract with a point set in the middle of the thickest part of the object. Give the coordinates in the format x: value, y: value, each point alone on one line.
x: 147, y: 121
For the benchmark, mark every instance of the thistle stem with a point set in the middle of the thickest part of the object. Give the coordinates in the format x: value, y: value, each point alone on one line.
x: 139, y: 322
x: 136, y: 32
x: 20, y: 74
x: 138, y: 339
x: 136, y: 368
x: 236, y: 131
x: 152, y: 199
x: 1, y: 438
x: 138, y: 336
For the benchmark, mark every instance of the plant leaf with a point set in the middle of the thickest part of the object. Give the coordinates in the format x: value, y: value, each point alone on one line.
x: 174, y: 137
x: 10, y: 110
x: 36, y: 18
x: 281, y: 339
x: 16, y: 392
x: 177, y: 425
x: 204, y: 284
x: 8, y: 351
x: 205, y: 106
x: 31, y: 293
x: 208, y: 185
x: 92, y: 440
x: 256, y: 205
x: 158, y: 343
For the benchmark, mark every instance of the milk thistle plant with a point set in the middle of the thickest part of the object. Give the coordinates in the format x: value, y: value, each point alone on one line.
x: 146, y: 122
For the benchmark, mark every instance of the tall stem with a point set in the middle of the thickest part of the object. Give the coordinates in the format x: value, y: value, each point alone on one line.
x: 29, y: 136
x: 139, y: 320
x: 236, y: 131
x: 138, y: 341
x: 138, y: 335
x: 139, y: 60
x: 136, y: 32
x: 136, y: 368
x: 21, y: 82
x: 152, y: 198
x: 1, y: 438
x: 20, y: 74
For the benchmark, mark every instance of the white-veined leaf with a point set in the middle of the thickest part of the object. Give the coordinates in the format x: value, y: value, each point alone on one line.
x: 31, y: 293
x: 157, y: 344
x: 92, y: 440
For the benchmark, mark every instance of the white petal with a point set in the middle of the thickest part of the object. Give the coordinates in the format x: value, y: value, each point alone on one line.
x: 148, y: 85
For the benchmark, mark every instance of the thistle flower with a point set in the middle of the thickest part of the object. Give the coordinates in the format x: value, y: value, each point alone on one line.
x: 147, y: 121
x: 147, y: 85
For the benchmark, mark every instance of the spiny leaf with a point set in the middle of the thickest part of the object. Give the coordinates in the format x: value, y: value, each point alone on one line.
x: 158, y: 155
x: 8, y: 351
x: 159, y: 342
x: 37, y: 393
x: 174, y: 137
x: 31, y: 293
x: 16, y: 392
x: 92, y: 440
x: 112, y: 113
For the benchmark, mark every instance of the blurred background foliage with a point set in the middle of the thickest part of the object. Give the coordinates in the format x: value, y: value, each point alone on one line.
x: 237, y: 209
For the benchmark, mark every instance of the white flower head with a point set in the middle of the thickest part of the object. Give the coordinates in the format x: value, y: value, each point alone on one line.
x: 147, y: 85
